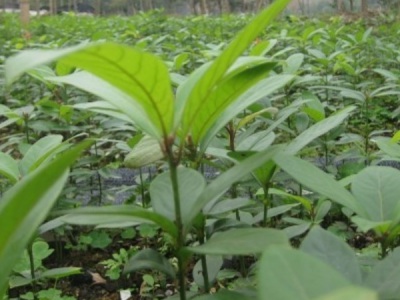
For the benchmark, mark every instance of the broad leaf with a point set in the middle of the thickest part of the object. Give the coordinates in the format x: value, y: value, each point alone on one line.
x: 377, y: 191
x: 26, y: 205
x: 145, y: 152
x: 389, y: 147
x: 141, y: 76
x: 291, y: 274
x: 351, y: 293
x: 384, y: 276
x: 149, y: 259
x: 119, y: 102
x: 191, y: 185
x: 214, y: 264
x: 330, y: 249
x: 242, y: 241
x: 117, y: 214
x: 9, y: 167
x: 316, y: 180
x: 293, y: 63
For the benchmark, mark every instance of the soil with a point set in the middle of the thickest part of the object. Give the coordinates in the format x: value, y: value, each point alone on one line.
x: 92, y: 284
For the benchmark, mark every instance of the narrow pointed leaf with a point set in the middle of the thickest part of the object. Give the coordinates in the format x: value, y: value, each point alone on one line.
x: 197, y: 100
x: 317, y: 130
x: 316, y: 180
x: 261, y: 89
x: 115, y: 214
x: 24, y: 207
x: 223, y: 182
x: 221, y: 97
x: 242, y: 241
x: 103, y: 107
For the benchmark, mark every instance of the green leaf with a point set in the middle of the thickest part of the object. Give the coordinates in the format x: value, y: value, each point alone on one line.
x: 293, y: 63
x: 145, y: 152
x: 118, y: 102
x: 58, y: 273
x: 9, y: 167
x: 223, y: 182
x: 376, y: 190
x: 330, y: 249
x: 198, y: 98
x: 317, y: 130
x: 16, y: 65
x: 39, y: 152
x: 383, y: 278
x: 214, y: 264
x: 141, y: 76
x: 24, y: 207
x: 256, y: 142
x: 40, y: 250
x: 304, y: 201
x: 241, y: 241
x: 103, y: 107
x: 263, y: 88
x: 389, y: 147
x: 226, y: 295
x: 351, y: 293
x: 273, y: 212
x: 149, y: 259
x: 228, y: 205
x: 117, y: 214
x: 365, y: 225
x: 314, y: 107
x: 296, y: 230
x: 322, y: 210
x: 221, y: 97
x: 191, y: 185
x: 291, y: 274
x: 316, y: 180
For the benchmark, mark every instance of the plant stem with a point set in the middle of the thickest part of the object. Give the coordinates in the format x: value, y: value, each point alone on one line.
x: 366, y: 131
x: 32, y: 267
x: 142, y: 188
x: 204, y: 260
x: 180, y: 242
x: 98, y: 177
x: 26, y: 127
x: 266, y: 204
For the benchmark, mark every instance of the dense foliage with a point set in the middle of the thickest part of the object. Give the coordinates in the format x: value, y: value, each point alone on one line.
x: 309, y: 107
